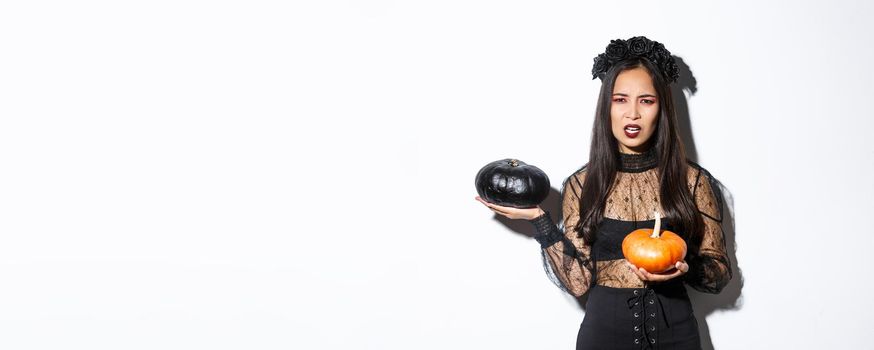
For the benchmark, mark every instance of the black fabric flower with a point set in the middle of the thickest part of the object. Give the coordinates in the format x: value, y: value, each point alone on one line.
x: 617, y: 50
x: 672, y: 71
x: 601, y: 65
x: 659, y: 55
x: 638, y: 46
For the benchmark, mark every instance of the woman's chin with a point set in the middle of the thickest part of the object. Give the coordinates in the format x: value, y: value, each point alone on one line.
x: 636, y: 147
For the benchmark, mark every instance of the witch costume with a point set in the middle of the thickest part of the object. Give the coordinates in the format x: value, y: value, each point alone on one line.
x: 622, y: 311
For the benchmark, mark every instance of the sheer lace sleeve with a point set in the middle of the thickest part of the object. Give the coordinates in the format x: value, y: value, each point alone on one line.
x: 709, y: 265
x: 565, y: 256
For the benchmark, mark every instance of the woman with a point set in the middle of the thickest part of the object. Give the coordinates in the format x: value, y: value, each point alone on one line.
x: 637, y: 169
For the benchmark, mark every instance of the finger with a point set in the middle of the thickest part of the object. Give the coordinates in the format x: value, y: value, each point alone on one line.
x: 682, y: 266
x: 665, y: 277
x: 640, y: 272
x: 495, y: 208
x: 634, y: 269
x: 500, y: 211
x: 500, y: 208
x: 673, y: 275
x: 647, y: 275
x: 484, y: 202
x: 658, y: 277
x: 654, y: 277
x: 631, y: 266
x: 508, y: 211
x: 496, y: 211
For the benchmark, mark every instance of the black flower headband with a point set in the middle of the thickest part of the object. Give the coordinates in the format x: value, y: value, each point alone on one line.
x: 638, y: 46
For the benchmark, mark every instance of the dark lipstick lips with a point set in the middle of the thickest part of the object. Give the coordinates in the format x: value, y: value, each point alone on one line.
x: 634, y: 134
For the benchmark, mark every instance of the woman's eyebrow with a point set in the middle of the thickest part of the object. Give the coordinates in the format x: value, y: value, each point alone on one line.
x: 626, y: 95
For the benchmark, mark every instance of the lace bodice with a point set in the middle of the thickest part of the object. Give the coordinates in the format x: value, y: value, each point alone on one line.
x: 574, y: 266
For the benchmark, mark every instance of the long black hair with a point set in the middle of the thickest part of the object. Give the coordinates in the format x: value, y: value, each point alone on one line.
x: 678, y: 205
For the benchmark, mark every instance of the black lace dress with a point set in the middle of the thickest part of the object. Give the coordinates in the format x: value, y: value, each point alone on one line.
x: 622, y: 311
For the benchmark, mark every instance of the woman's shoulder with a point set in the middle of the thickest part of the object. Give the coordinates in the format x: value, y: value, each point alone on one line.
x: 707, y: 191
x: 696, y: 172
x: 700, y: 178
x: 575, y: 179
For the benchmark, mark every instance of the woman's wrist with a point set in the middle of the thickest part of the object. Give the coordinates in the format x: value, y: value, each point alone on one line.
x: 547, y: 233
x: 540, y: 213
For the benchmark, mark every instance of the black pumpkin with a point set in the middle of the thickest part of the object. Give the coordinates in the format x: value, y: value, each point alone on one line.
x: 512, y: 183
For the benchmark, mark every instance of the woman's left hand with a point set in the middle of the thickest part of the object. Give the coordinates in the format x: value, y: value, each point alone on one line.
x: 680, y: 268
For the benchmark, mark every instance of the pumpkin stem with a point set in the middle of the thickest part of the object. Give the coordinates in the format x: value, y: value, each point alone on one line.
x: 656, y: 232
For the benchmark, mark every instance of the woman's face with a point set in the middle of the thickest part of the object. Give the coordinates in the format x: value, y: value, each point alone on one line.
x: 634, y: 110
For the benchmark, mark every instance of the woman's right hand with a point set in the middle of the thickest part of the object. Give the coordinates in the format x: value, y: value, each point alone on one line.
x: 513, y: 213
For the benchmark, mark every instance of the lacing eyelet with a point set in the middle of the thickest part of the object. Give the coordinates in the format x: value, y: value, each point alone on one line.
x: 637, y: 341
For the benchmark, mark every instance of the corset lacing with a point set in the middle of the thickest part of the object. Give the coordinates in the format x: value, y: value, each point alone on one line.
x: 645, y: 304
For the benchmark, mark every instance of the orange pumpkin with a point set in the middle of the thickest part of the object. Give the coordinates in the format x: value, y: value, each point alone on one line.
x: 654, y: 249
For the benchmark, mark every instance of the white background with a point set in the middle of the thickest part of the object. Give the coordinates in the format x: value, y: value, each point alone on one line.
x: 274, y: 175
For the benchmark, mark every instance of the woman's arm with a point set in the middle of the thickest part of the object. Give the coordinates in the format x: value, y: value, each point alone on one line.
x: 565, y: 256
x: 709, y: 264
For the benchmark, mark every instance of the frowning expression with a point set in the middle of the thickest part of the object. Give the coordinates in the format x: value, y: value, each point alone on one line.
x: 634, y: 110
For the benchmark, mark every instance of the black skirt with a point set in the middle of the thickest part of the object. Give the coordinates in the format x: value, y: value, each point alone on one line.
x: 655, y: 317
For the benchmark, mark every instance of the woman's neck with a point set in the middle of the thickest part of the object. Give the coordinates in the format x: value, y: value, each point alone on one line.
x: 638, y: 162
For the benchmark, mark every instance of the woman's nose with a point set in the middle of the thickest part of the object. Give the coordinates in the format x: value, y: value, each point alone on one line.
x: 632, y: 113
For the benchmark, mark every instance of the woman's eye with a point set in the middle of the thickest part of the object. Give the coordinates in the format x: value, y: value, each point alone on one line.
x: 620, y: 100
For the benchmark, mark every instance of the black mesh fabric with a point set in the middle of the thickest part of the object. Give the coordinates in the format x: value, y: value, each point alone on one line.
x: 574, y: 266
